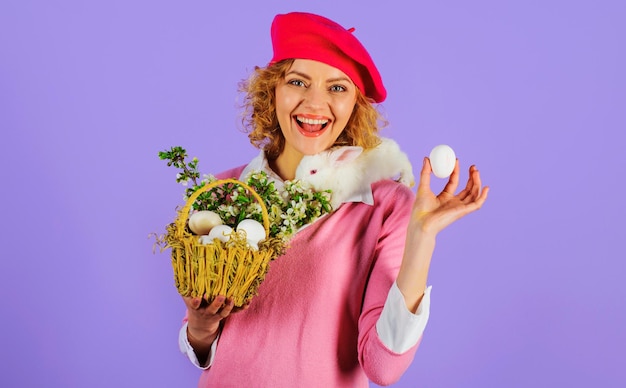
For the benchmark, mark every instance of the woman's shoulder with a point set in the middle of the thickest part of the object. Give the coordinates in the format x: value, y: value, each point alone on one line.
x: 390, y: 191
x: 233, y: 173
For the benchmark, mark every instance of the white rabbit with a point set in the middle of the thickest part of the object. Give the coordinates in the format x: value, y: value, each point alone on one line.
x: 350, y: 170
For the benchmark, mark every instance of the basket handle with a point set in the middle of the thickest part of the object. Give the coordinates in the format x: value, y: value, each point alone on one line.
x: 184, y: 212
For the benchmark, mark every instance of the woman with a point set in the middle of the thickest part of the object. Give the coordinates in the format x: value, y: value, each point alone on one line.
x: 348, y: 302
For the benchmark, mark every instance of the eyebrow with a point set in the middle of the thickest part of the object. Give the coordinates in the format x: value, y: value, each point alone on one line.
x: 331, y: 80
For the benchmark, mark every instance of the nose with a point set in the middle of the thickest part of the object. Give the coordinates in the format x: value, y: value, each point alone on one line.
x: 315, y: 97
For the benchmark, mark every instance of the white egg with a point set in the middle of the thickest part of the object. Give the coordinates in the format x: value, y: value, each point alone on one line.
x: 205, y: 240
x: 254, y: 245
x: 254, y: 230
x: 220, y: 232
x: 442, y: 160
x: 203, y: 221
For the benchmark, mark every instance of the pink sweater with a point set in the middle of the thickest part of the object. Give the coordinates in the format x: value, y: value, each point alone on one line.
x: 313, y: 323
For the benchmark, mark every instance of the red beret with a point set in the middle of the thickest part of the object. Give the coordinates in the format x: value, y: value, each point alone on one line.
x: 308, y: 36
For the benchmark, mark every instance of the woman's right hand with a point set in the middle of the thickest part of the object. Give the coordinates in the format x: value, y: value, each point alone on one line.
x: 203, y: 321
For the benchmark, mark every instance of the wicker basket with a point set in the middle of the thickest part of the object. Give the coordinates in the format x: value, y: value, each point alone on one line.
x: 231, y: 269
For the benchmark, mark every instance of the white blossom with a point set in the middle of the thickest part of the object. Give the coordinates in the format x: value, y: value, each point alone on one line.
x: 289, y: 206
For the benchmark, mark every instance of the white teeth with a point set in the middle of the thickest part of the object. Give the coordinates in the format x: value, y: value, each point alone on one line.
x: 310, y: 121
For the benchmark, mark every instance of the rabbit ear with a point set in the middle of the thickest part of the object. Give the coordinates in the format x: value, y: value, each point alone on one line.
x: 344, y: 155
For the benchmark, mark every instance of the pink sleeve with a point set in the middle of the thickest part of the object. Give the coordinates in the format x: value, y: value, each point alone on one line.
x: 382, y: 365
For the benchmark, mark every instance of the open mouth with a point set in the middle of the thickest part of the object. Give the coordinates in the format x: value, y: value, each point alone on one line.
x: 311, y: 127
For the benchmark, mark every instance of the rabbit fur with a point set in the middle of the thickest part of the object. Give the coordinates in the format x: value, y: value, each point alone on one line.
x: 350, y: 170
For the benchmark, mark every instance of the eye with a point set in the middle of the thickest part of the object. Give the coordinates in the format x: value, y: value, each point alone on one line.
x: 337, y: 88
x: 296, y: 82
x: 312, y: 172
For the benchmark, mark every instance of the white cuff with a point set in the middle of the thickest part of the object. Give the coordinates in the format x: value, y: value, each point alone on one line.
x: 398, y: 328
x: 186, y: 349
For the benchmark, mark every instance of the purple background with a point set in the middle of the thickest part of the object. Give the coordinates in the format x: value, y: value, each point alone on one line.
x: 527, y: 292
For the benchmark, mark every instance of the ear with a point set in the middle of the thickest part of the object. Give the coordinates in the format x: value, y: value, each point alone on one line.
x: 344, y: 155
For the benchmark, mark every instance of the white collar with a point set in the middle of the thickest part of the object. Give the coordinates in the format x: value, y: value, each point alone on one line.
x: 260, y: 163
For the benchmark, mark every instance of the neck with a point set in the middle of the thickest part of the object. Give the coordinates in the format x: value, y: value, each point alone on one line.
x: 285, y: 164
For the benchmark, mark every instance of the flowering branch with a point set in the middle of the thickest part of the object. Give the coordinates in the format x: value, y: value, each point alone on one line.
x: 176, y: 157
x: 288, y: 211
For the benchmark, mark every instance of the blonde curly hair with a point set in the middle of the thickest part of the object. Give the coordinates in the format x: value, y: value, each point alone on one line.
x: 261, y: 123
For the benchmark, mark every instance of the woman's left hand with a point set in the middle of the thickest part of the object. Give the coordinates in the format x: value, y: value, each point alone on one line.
x: 432, y: 213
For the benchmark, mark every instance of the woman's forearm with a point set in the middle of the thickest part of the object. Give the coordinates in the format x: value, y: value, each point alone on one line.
x: 201, y: 344
x: 413, y: 275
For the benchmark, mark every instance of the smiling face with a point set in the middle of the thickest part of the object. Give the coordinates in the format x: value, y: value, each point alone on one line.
x: 314, y: 102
